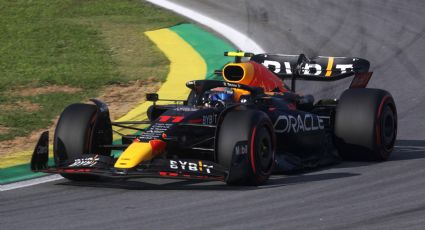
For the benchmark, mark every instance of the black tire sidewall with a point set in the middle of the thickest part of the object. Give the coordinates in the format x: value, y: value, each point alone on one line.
x: 358, y: 124
x: 241, y: 126
x: 73, y: 137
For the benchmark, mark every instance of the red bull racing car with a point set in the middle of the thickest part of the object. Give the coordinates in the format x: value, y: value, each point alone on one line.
x: 238, y: 130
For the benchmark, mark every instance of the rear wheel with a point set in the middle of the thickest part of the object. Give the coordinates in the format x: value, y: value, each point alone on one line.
x: 74, y: 136
x: 246, y: 146
x: 365, y: 124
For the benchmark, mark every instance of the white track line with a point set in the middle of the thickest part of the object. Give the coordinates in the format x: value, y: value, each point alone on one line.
x: 239, y: 39
x: 26, y: 183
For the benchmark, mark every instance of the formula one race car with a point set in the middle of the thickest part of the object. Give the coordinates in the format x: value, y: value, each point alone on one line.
x: 239, y: 130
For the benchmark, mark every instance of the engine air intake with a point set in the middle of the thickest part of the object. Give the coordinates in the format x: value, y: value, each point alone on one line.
x: 233, y: 73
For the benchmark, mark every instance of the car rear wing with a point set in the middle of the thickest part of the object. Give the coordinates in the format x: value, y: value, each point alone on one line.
x: 321, y: 68
x: 314, y: 69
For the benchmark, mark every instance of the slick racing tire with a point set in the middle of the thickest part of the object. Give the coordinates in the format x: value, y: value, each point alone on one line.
x: 365, y: 124
x: 246, y: 146
x: 74, y: 136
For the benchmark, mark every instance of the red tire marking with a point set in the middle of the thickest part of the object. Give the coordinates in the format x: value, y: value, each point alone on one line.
x: 252, y: 150
x: 89, y: 132
x: 381, y: 105
x: 378, y: 126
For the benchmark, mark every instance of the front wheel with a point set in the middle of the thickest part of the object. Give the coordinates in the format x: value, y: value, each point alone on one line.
x: 77, y: 133
x: 246, y: 146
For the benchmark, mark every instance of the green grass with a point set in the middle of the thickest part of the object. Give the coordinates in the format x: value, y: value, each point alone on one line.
x: 84, y: 44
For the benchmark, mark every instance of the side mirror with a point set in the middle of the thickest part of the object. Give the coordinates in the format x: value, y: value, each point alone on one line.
x: 152, y: 97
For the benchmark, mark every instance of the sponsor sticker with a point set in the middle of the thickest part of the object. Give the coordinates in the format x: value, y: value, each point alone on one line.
x: 155, y: 131
x: 209, y: 119
x: 87, y: 162
x: 190, y: 166
x: 186, y: 109
x: 241, y: 148
x: 292, y: 124
x: 232, y: 85
x: 307, y: 68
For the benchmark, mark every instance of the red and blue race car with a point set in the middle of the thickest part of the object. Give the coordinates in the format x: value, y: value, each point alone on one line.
x: 239, y: 130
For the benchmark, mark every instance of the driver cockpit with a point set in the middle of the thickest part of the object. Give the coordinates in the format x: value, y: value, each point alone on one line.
x: 218, y: 97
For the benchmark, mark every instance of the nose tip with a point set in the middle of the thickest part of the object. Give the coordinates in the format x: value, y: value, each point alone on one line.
x: 158, y: 146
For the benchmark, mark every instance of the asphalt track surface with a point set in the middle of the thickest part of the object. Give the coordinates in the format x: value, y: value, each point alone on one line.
x: 351, y: 195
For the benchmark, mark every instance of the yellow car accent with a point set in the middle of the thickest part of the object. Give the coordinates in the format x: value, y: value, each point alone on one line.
x: 237, y: 93
x: 238, y: 54
x: 234, y: 54
x: 138, y: 152
x: 134, y: 154
x: 329, y: 67
x: 200, y: 165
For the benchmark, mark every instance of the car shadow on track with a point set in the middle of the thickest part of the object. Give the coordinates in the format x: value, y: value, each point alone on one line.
x: 280, y: 180
x: 275, y: 181
x: 408, y: 150
x: 403, y: 150
x: 143, y: 185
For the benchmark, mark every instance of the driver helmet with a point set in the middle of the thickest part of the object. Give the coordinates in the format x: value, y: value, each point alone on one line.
x: 220, y: 95
x: 226, y: 95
